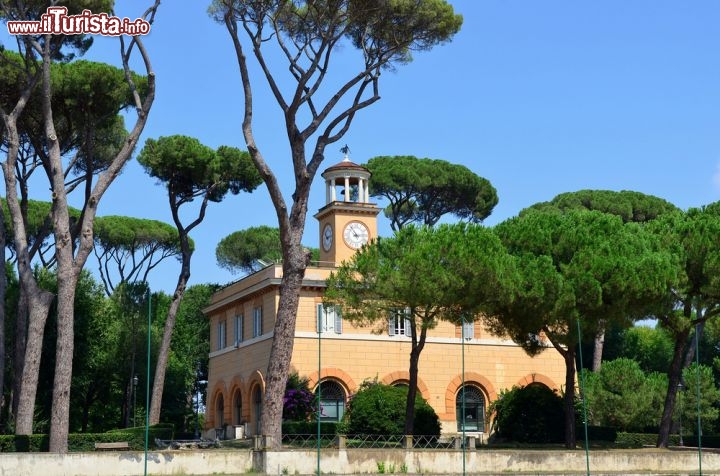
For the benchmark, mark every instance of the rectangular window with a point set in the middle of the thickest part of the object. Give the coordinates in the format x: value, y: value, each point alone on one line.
x: 257, y: 322
x: 399, y: 323
x: 221, y: 335
x: 239, y: 323
x: 329, y: 319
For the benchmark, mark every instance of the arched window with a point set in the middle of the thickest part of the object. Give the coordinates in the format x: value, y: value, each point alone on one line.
x: 219, y: 411
x: 332, y: 401
x: 473, y: 410
x: 257, y: 407
x: 237, y: 407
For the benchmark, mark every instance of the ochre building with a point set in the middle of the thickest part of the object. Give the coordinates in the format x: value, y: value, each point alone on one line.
x: 338, y: 355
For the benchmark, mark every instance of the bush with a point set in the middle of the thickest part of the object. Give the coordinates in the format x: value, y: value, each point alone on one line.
x: 597, y: 433
x: 531, y: 414
x: 298, y: 401
x: 379, y: 409
x: 86, y: 441
x: 309, y: 428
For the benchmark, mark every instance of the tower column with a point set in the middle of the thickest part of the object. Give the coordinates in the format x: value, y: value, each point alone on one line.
x: 346, y: 198
x: 361, y: 190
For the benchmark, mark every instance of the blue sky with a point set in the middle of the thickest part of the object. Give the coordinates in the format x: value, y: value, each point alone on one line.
x: 540, y: 98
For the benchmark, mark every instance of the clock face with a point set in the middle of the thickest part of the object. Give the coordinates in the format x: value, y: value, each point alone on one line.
x: 327, y: 237
x: 356, y: 234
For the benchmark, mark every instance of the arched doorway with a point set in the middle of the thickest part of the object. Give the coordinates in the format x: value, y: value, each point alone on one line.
x: 219, y: 411
x: 237, y: 407
x: 257, y: 408
x: 332, y: 400
x: 473, y: 409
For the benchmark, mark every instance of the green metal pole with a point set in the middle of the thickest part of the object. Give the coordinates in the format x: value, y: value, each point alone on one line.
x: 699, y: 426
x: 147, y: 381
x: 584, y: 403
x: 462, y: 346
x: 319, y: 388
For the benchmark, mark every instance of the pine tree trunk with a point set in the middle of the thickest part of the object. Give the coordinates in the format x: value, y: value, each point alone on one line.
x: 39, y: 305
x: 569, y: 399
x: 3, y: 292
x: 674, y: 374
x: 412, y: 392
x: 282, y: 343
x: 60, y: 416
x: 164, y: 353
x: 21, y: 330
x: 418, y: 343
x: 599, y: 345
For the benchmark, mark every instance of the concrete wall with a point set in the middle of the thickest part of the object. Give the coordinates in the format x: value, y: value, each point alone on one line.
x: 126, y: 463
x: 361, y: 461
x: 490, y: 462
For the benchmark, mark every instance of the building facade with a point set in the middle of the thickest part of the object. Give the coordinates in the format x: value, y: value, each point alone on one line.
x: 337, y: 355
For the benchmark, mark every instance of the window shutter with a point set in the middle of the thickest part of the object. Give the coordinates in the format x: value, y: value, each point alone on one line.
x: 469, y: 329
x: 241, y: 330
x: 319, y: 318
x: 391, y: 324
x: 338, y: 320
x: 408, y: 328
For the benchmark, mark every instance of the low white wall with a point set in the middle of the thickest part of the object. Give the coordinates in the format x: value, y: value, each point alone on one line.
x: 126, y: 463
x: 651, y: 461
x: 360, y: 461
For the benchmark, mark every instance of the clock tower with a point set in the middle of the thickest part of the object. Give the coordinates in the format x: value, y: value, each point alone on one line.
x: 348, y: 220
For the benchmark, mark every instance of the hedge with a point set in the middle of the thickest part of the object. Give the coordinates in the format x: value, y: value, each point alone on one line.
x: 309, y: 428
x: 86, y: 441
x: 597, y: 433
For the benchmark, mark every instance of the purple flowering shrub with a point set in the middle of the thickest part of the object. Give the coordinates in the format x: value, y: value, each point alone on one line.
x: 299, y: 401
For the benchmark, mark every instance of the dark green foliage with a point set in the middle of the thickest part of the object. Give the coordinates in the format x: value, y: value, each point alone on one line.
x: 651, y: 348
x: 386, y: 32
x: 688, y: 399
x: 191, y: 169
x: 628, y: 205
x: 309, y: 428
x: 621, y: 395
x: 379, y: 409
x: 241, y: 250
x: 530, y: 414
x: 599, y: 433
x: 86, y: 441
x: 299, y: 401
x: 423, y: 190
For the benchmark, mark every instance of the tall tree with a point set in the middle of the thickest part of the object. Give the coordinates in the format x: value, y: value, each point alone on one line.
x: 630, y: 206
x: 247, y: 250
x: 39, y: 53
x: 317, y: 111
x: 423, y: 190
x: 423, y: 275
x: 190, y: 170
x: 128, y: 248
x: 580, y: 266
x: 692, y: 237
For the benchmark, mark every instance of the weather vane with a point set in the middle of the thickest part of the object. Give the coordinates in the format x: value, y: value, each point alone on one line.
x: 345, y: 150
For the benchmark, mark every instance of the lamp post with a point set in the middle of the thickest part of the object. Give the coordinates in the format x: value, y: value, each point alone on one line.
x: 680, y: 387
x: 197, y: 402
x: 135, y: 384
